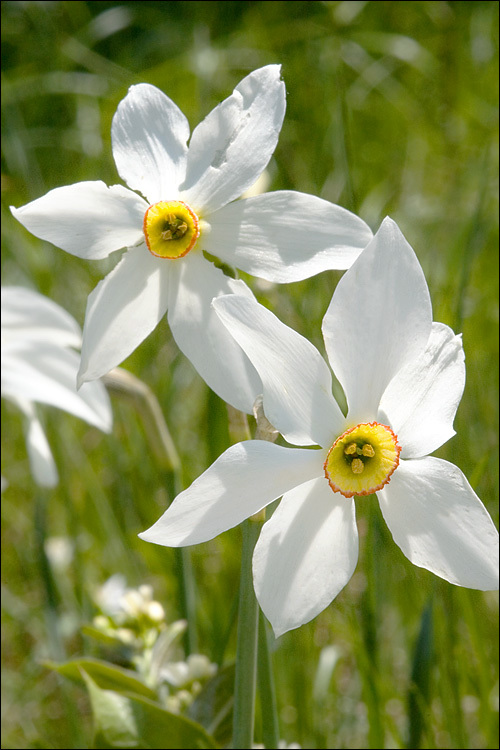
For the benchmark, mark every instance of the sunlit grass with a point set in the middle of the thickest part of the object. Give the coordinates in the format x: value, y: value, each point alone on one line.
x: 391, y: 110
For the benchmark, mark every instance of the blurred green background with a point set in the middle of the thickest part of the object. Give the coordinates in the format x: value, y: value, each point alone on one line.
x: 392, y: 109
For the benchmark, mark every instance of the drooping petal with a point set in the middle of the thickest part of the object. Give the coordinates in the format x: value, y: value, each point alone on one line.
x: 149, y: 135
x: 28, y: 315
x: 246, y: 478
x: 122, y: 310
x: 440, y: 524
x: 87, y: 219
x: 46, y: 373
x: 42, y: 463
x: 422, y: 399
x: 297, y: 383
x: 305, y: 555
x: 232, y: 146
x: 378, y: 320
x: 286, y: 236
x: 202, y: 337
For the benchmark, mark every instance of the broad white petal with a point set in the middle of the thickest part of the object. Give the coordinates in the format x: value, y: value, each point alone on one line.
x: 297, y: 383
x: 286, y: 236
x: 305, y: 555
x: 246, y: 478
x: 378, y: 320
x: 202, y: 337
x: 122, y: 310
x: 42, y: 464
x: 28, y: 315
x: 87, y: 219
x: 440, y: 524
x: 149, y: 135
x: 46, y: 373
x: 422, y: 399
x: 234, y: 143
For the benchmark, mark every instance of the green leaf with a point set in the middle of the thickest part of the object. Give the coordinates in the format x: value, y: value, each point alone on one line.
x: 131, y: 721
x: 213, y: 706
x: 105, y: 675
x: 420, y: 687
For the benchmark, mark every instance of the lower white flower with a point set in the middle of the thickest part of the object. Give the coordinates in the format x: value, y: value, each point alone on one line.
x: 403, y: 378
x: 39, y: 365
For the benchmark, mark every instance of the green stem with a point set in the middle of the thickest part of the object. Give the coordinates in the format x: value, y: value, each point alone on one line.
x: 246, y: 649
x: 269, y: 710
x: 187, y: 597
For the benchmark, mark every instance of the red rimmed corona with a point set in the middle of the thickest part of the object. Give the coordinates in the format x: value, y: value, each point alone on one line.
x: 362, y: 460
x: 171, y: 229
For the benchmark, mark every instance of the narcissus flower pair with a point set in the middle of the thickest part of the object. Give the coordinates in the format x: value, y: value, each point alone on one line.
x: 39, y: 365
x: 403, y: 378
x: 190, y: 210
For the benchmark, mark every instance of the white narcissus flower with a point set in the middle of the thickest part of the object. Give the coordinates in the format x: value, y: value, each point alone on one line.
x: 40, y: 366
x: 403, y: 378
x: 190, y: 209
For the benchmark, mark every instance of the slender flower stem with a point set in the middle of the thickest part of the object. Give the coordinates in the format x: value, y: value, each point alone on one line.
x: 132, y: 390
x: 252, y: 639
x: 270, y: 726
x: 246, y: 650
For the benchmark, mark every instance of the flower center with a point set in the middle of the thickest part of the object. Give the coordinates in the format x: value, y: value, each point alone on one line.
x: 171, y: 229
x: 362, y: 460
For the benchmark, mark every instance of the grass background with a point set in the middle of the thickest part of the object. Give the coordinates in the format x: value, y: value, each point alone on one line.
x: 392, y: 109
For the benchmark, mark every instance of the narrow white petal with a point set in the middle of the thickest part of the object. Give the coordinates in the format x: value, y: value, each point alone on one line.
x: 28, y: 315
x: 149, y: 135
x: 202, y: 337
x: 422, y: 399
x: 246, y: 478
x: 46, y: 373
x: 234, y: 143
x: 286, y: 236
x: 297, y: 383
x: 379, y: 319
x: 305, y: 555
x: 42, y: 463
x: 440, y: 524
x: 122, y: 310
x: 87, y: 219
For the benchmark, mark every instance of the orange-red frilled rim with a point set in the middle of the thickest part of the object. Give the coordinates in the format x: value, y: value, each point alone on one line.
x: 171, y: 229
x: 362, y: 460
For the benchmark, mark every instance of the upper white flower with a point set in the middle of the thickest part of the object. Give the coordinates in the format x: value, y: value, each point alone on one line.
x: 39, y: 365
x: 282, y: 236
x: 403, y: 378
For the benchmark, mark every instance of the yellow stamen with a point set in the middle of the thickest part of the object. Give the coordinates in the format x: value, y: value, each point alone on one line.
x: 171, y: 229
x: 362, y: 460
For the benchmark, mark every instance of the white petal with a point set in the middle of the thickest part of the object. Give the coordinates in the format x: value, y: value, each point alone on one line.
x: 234, y: 143
x: 28, y: 315
x: 440, y: 524
x: 87, y: 219
x: 379, y: 319
x: 305, y: 555
x: 286, y: 236
x: 149, y: 135
x: 422, y: 399
x: 297, y: 383
x: 122, y: 310
x: 202, y: 337
x: 40, y: 457
x: 246, y: 478
x: 46, y: 373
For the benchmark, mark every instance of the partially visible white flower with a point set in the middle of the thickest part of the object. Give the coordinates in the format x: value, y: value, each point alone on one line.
x: 403, y: 378
x: 126, y: 605
x: 181, y: 674
x: 190, y: 209
x: 39, y: 365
